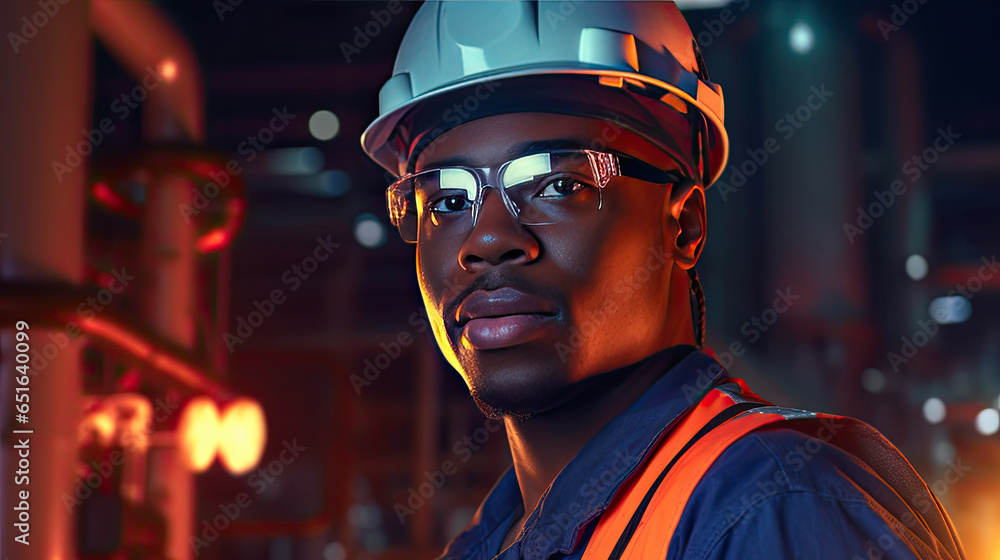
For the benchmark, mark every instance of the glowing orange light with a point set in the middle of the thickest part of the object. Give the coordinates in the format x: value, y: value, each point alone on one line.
x: 242, y: 437
x: 198, y: 433
x: 168, y: 69
x: 99, y: 426
x: 107, y: 196
x: 222, y: 236
x: 213, y: 240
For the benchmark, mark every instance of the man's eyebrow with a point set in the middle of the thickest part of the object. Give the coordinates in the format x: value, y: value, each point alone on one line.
x: 518, y: 150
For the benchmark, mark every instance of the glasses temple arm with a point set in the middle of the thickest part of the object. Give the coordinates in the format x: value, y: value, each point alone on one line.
x: 638, y: 169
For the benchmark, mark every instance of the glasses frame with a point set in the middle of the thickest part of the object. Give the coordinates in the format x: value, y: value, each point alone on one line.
x: 604, y: 165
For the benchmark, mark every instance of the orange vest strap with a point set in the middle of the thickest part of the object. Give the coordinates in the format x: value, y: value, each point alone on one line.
x: 651, y: 536
x: 616, y: 518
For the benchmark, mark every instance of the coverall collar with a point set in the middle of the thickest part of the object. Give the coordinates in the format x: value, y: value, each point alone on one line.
x: 588, y: 483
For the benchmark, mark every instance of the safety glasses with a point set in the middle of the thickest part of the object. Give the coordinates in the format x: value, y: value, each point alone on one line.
x: 537, y: 189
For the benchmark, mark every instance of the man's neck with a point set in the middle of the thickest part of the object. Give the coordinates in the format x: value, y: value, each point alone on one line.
x: 542, y: 445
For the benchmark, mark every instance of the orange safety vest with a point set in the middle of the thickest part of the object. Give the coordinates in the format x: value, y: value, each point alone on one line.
x: 644, y: 513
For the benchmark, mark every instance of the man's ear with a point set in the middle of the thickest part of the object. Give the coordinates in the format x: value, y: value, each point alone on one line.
x: 687, y: 212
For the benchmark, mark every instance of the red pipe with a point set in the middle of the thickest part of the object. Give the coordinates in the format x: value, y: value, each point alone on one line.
x: 54, y: 305
x: 199, y: 165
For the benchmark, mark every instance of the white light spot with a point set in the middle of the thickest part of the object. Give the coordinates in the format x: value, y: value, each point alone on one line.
x: 950, y: 309
x: 934, y: 410
x: 916, y: 267
x: 334, y: 551
x: 324, y: 125
x: 943, y: 451
x: 369, y: 231
x: 294, y: 161
x: 801, y: 38
x: 873, y: 380
x: 988, y: 421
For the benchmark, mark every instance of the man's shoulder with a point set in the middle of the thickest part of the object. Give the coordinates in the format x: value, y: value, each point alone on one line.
x: 795, y: 489
x: 780, y: 460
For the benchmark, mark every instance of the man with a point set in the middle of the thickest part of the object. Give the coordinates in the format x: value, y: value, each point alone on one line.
x: 552, y: 160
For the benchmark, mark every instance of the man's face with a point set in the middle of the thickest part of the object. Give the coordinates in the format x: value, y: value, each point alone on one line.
x: 525, y: 313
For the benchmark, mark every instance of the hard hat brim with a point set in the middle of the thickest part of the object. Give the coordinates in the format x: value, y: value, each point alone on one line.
x: 379, y: 143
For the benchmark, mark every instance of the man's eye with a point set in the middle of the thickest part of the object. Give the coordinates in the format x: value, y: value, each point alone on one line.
x: 452, y: 203
x: 561, y: 187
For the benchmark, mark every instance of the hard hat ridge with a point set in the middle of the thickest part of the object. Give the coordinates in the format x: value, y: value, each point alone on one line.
x: 640, y: 49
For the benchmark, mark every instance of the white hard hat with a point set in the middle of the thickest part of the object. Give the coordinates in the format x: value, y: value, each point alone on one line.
x: 639, y: 50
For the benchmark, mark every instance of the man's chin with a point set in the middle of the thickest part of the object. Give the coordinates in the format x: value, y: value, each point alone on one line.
x: 518, y: 382
x: 519, y: 402
x: 498, y: 411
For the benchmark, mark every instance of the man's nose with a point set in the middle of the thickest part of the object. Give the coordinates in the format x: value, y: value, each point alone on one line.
x: 497, y: 237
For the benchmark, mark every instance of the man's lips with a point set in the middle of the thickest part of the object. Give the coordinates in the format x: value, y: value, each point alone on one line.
x: 501, y: 318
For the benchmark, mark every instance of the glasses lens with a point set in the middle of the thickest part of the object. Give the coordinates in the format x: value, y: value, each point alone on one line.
x: 551, y: 187
x: 402, y: 211
x: 437, y: 201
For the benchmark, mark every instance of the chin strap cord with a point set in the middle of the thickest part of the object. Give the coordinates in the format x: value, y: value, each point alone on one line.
x: 699, y: 319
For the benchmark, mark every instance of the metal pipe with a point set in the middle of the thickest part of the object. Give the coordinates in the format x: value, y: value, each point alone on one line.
x: 142, y: 39
x: 47, y: 103
x: 55, y: 306
x: 164, y: 164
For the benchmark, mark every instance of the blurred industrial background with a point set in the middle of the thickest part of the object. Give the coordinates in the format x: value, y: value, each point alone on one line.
x: 230, y: 355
